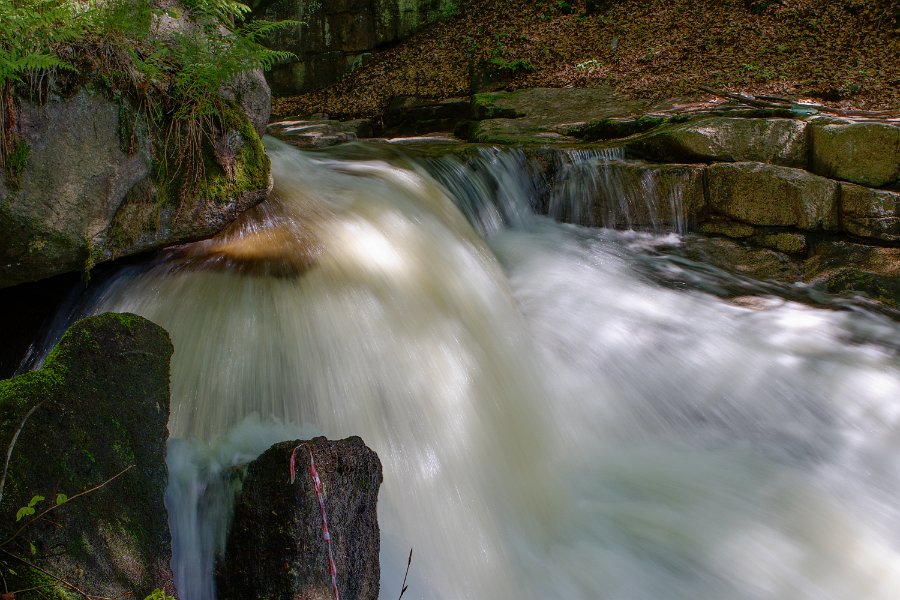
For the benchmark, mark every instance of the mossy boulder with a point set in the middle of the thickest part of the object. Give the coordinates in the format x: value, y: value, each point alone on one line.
x: 870, y: 213
x: 275, y: 548
x: 863, y: 153
x: 761, y: 194
x: 775, y: 141
x: 91, y: 190
x: 101, y: 404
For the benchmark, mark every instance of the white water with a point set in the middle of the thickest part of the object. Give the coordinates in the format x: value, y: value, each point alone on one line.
x: 552, y: 423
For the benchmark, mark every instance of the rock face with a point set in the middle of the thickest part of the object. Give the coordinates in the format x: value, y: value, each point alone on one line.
x: 251, y: 93
x: 88, y: 191
x: 102, y: 401
x: 722, y: 139
x: 767, y: 195
x: 870, y: 213
x: 863, y: 153
x: 337, y: 35
x: 275, y: 548
x: 634, y: 195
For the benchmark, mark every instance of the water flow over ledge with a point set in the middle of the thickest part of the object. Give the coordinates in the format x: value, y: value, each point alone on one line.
x: 551, y: 422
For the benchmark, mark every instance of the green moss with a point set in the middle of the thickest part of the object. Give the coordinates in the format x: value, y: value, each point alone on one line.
x: 851, y: 281
x: 251, y: 167
x: 28, y: 578
x: 16, y: 161
x: 484, y: 107
x: 609, y: 129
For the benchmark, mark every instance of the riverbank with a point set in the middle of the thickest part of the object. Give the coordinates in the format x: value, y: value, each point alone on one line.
x: 842, y: 54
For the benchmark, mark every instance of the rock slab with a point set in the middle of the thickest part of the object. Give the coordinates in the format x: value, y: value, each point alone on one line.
x: 773, y: 196
x: 863, y: 153
x: 723, y: 139
x: 102, y: 401
x: 275, y: 548
x: 870, y: 213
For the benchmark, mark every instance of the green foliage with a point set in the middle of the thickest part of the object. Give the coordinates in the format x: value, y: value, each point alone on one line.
x: 159, y: 594
x: 501, y: 62
x: 31, y: 34
x: 513, y: 66
x: 28, y: 510
x: 176, y: 79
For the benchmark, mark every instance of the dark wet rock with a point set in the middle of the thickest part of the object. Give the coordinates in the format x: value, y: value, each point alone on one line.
x: 275, y: 548
x: 411, y: 115
x: 863, y: 153
x: 842, y: 267
x: 617, y: 127
x: 716, y: 225
x: 102, y: 401
x: 761, y: 194
x: 321, y: 133
x: 759, y: 263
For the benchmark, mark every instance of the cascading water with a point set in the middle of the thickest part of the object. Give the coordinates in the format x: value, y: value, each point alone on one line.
x: 554, y: 419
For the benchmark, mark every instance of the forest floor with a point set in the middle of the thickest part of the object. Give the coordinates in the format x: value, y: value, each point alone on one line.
x: 842, y: 53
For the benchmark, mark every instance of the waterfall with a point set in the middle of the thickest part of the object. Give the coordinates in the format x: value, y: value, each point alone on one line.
x: 553, y: 419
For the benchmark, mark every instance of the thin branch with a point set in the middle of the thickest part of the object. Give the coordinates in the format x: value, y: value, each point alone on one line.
x: 69, y: 585
x: 55, y: 506
x: 12, y: 445
x: 31, y: 589
x: 778, y: 102
x: 403, y: 586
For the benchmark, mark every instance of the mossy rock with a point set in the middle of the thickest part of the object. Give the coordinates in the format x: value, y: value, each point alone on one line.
x: 863, y: 153
x: 843, y: 267
x: 760, y: 194
x: 101, y: 404
x: 774, y: 141
x: 737, y: 257
x: 870, y: 213
x: 82, y: 198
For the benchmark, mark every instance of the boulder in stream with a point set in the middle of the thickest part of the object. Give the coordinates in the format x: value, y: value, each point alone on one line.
x: 275, y: 548
x: 94, y: 416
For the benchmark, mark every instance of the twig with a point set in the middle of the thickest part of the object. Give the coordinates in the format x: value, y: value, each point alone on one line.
x: 31, y: 589
x: 69, y: 585
x: 55, y: 506
x: 12, y: 445
x: 404, y: 586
